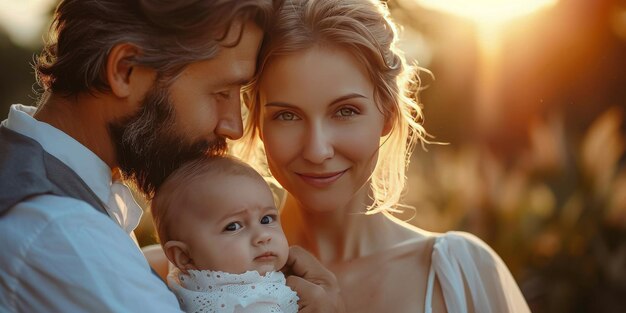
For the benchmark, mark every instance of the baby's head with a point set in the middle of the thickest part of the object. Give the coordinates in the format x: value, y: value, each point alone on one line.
x: 219, y: 214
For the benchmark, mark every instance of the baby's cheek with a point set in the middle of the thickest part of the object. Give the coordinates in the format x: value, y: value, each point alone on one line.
x: 284, y: 253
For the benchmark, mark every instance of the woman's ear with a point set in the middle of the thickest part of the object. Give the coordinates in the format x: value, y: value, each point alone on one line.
x: 178, y: 253
x: 125, y: 78
x: 388, y: 126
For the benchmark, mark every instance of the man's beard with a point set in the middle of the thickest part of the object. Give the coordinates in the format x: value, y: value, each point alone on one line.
x: 148, y: 147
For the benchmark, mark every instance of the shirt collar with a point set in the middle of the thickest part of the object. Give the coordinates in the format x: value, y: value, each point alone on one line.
x: 123, y: 207
x: 89, y: 167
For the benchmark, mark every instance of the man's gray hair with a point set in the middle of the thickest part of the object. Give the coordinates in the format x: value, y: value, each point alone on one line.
x: 169, y: 35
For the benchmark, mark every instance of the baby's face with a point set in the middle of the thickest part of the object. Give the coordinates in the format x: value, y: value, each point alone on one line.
x: 235, y: 226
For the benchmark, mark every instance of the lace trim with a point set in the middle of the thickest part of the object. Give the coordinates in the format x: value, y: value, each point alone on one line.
x: 214, y: 291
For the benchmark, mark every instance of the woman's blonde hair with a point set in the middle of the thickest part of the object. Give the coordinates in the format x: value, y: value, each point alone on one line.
x: 364, y: 29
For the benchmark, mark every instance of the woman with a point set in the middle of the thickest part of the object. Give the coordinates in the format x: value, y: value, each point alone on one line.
x: 332, y: 109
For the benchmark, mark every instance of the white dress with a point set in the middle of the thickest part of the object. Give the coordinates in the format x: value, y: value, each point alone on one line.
x: 214, y: 291
x: 462, y: 260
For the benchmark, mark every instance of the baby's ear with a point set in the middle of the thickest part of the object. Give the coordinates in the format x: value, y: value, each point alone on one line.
x: 178, y: 253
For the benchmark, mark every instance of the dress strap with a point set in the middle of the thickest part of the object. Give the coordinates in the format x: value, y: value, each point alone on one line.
x: 428, y: 304
x: 447, y: 268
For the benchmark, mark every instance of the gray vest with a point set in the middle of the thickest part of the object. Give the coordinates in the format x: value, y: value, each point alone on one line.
x: 27, y: 170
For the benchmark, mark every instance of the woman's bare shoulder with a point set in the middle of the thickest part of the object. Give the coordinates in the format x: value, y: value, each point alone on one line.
x: 465, y: 245
x: 459, y: 246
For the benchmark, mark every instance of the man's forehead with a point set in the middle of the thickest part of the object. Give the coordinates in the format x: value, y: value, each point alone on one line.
x: 231, y: 35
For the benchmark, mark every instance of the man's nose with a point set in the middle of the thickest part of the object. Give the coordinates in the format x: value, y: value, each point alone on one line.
x: 229, y: 124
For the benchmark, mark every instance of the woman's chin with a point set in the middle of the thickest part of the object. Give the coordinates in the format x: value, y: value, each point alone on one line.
x: 329, y: 202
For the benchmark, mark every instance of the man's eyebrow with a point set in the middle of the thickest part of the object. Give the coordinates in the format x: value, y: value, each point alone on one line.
x: 237, y: 82
x: 340, y: 99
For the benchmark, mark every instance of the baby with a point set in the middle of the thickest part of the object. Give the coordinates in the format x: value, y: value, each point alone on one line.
x: 218, y: 224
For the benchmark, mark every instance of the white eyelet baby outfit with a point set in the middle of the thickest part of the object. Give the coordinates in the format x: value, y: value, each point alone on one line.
x: 214, y: 291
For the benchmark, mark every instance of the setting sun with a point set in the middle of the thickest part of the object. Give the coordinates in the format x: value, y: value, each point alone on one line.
x: 490, y: 18
x: 488, y: 11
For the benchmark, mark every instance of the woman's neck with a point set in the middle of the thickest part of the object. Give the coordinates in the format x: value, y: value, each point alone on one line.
x: 341, y: 235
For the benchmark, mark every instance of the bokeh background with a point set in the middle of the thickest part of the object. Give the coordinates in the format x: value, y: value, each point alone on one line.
x: 529, y: 97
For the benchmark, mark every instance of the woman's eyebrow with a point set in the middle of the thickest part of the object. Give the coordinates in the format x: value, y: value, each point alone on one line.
x: 347, y: 97
x: 340, y: 99
x: 279, y: 104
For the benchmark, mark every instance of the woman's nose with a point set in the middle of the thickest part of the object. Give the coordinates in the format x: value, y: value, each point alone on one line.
x: 318, y: 146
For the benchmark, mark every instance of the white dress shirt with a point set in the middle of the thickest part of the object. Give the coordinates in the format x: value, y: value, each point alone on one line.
x: 61, y: 255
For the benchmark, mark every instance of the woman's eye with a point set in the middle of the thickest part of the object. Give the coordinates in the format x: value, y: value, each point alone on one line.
x: 267, y: 219
x: 232, y: 226
x: 286, y: 116
x: 345, y: 112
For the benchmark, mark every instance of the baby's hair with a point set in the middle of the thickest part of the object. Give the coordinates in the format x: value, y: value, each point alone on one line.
x: 174, y: 190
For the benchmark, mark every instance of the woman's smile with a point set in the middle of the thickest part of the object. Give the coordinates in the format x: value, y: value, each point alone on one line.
x: 321, y: 180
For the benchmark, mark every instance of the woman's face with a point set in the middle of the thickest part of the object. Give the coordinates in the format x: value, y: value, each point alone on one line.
x: 320, y: 126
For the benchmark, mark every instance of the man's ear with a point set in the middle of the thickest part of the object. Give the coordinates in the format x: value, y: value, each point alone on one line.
x: 178, y: 253
x: 123, y: 75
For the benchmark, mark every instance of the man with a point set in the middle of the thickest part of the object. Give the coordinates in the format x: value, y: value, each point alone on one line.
x: 135, y: 86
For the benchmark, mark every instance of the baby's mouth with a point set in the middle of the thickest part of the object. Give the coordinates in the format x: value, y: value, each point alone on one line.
x: 267, y: 256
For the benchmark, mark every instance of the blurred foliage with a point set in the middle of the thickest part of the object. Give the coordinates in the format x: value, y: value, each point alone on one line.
x: 17, y: 79
x: 546, y: 188
x: 556, y: 213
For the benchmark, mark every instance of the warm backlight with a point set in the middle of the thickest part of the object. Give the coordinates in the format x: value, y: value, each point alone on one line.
x: 488, y: 11
x: 490, y: 17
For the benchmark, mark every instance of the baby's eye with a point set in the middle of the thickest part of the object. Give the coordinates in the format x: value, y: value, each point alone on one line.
x: 268, y: 219
x: 287, y: 116
x: 233, y: 226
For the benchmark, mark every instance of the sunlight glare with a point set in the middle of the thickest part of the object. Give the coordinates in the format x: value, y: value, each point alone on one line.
x: 488, y: 11
x: 489, y: 16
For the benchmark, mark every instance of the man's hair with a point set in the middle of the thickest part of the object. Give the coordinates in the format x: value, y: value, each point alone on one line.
x: 364, y: 29
x: 170, y: 197
x: 169, y: 35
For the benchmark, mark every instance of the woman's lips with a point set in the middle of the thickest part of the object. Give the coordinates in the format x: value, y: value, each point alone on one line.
x: 321, y: 180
